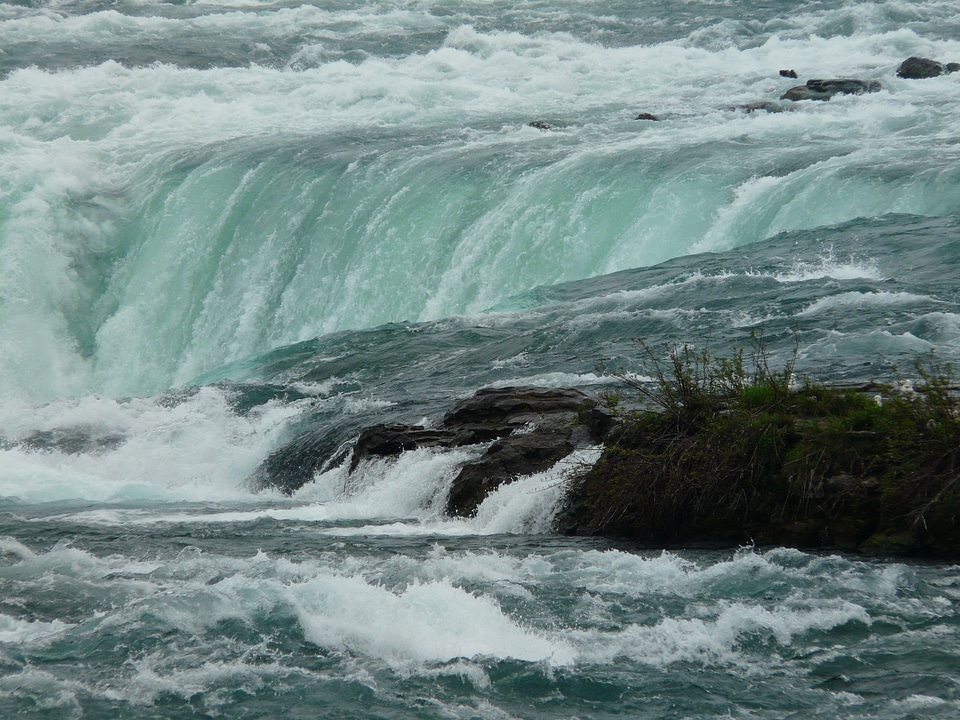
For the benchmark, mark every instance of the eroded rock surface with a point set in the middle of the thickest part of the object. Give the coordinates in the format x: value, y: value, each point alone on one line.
x: 918, y: 68
x: 826, y: 89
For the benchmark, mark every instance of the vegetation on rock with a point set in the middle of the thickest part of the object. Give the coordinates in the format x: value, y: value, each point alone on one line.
x: 731, y: 450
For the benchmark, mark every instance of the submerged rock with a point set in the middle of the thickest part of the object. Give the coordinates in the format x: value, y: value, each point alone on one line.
x: 69, y: 441
x: 505, y: 460
x: 789, y: 74
x: 540, y: 125
x: 826, y: 89
x: 530, y: 428
x: 647, y: 116
x: 761, y: 106
x: 390, y: 440
x: 292, y: 466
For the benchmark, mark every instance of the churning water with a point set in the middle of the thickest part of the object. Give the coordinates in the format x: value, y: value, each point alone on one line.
x: 225, y: 222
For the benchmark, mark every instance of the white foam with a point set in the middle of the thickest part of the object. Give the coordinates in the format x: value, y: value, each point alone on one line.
x: 426, y: 623
x: 712, y: 640
x: 829, y: 266
x: 32, y: 632
x: 47, y: 691
x: 191, y: 448
x: 879, y: 298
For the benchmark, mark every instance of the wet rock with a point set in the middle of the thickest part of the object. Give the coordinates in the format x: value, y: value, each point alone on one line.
x: 296, y: 463
x: 535, y: 426
x: 529, y: 428
x: 515, y: 406
x: 393, y: 439
x: 826, y: 89
x: 647, y: 116
x: 540, y: 125
x: 505, y: 460
x: 918, y: 68
x: 789, y: 74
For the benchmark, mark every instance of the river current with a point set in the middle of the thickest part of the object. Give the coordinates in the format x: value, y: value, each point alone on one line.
x: 226, y: 223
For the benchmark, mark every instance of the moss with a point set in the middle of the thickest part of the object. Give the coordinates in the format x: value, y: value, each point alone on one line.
x: 731, y: 451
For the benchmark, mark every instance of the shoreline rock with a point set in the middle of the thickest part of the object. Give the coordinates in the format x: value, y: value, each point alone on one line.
x: 529, y: 430
x: 820, y: 468
x: 835, y: 471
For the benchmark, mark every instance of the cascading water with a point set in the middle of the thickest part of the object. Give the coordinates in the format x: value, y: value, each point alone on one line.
x: 225, y: 224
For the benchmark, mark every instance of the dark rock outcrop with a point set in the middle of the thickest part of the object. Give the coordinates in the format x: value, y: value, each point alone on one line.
x: 530, y: 429
x: 513, y: 407
x: 505, y: 460
x: 540, y: 125
x: 393, y: 439
x: 789, y: 74
x: 647, y: 116
x: 826, y: 89
x: 918, y: 68
x: 817, y: 467
x: 533, y: 422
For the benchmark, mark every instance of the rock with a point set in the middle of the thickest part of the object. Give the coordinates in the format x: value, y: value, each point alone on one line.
x: 505, y: 460
x: 540, y: 125
x: 393, y: 439
x: 918, y: 68
x: 647, y: 116
x: 535, y: 427
x: 826, y: 89
x: 515, y: 406
x: 789, y: 74
x: 951, y: 68
x: 292, y: 466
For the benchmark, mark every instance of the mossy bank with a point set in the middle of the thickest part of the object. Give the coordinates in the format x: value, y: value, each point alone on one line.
x: 733, y: 452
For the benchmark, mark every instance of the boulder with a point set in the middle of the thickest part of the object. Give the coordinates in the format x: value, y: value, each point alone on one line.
x: 918, y: 68
x: 515, y: 406
x: 826, y: 89
x: 789, y: 74
x: 534, y: 427
x: 489, y: 414
x: 505, y: 460
x: 393, y: 439
x: 540, y: 125
x: 647, y: 116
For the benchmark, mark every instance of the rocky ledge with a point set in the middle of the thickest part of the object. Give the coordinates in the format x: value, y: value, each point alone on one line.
x: 872, y: 469
x: 528, y: 430
x: 868, y: 469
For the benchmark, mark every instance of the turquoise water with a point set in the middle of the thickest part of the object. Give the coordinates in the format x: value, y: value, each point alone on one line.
x: 226, y: 227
